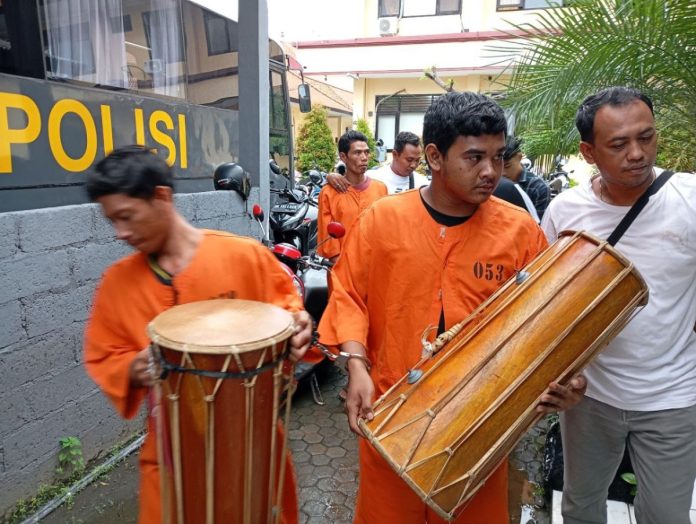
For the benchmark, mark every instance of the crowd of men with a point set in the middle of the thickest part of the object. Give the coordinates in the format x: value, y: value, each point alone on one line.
x: 639, y: 394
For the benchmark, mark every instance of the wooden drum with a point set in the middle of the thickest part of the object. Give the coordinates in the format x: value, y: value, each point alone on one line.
x: 446, y: 426
x: 221, y: 459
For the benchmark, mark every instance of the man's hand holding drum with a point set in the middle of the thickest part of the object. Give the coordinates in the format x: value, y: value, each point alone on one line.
x: 559, y: 398
x: 360, y: 390
x: 300, y: 341
x: 141, y: 370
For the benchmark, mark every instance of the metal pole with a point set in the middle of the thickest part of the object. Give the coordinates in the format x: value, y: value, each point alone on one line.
x: 254, y: 88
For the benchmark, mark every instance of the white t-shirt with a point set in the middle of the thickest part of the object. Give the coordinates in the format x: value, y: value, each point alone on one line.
x: 651, y: 364
x: 396, y: 183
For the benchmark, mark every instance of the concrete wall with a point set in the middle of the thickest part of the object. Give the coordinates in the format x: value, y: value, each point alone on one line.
x: 50, y: 261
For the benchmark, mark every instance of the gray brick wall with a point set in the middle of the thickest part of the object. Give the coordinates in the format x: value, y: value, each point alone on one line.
x: 50, y: 262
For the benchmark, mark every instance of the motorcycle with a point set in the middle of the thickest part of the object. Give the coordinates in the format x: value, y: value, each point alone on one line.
x: 312, y: 181
x: 558, y: 182
x: 295, y: 213
x: 309, y: 277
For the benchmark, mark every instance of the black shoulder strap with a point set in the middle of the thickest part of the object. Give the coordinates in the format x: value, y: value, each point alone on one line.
x: 411, y: 182
x: 638, y: 207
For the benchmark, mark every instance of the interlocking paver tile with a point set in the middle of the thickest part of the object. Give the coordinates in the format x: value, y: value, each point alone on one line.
x: 326, y: 453
x: 316, y: 449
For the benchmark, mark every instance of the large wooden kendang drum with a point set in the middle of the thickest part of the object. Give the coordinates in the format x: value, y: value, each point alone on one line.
x: 446, y: 426
x: 221, y: 459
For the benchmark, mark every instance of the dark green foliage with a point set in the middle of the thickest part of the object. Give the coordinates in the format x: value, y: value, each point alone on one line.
x: 364, y: 128
x: 316, y: 148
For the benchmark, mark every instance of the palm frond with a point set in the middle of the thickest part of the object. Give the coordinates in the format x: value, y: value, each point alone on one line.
x: 571, y: 52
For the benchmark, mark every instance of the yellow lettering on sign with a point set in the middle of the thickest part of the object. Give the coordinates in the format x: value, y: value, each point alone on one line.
x: 139, y: 127
x: 183, y: 151
x: 161, y: 137
x: 107, y: 131
x: 55, y: 118
x: 10, y: 136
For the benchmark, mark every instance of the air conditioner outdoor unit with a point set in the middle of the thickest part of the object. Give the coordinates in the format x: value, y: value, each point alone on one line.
x: 388, y: 26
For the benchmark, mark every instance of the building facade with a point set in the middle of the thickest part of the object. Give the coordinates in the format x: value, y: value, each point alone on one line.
x: 398, y: 40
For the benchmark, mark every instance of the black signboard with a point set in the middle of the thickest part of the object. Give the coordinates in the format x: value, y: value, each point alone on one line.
x: 52, y: 133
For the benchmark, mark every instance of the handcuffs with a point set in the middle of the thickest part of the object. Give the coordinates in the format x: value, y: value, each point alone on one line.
x: 342, y: 357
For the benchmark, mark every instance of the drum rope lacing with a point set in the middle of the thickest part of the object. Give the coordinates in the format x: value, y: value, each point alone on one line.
x: 168, y: 367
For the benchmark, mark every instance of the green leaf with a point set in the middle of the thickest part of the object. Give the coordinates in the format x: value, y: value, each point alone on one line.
x: 630, y: 478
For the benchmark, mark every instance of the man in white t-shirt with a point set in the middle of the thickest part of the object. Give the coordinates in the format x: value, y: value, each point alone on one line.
x: 641, y: 391
x: 400, y: 174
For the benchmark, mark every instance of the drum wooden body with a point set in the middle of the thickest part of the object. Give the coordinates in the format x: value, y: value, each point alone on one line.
x: 220, y: 456
x: 446, y: 433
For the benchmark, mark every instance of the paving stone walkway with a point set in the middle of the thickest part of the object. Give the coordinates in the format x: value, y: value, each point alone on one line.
x: 326, y: 458
x: 326, y: 461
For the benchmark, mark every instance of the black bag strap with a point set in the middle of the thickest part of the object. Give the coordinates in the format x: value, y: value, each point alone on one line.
x: 638, y: 206
x: 411, y: 181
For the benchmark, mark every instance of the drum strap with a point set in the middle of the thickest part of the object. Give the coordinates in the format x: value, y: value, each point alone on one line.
x: 638, y: 206
x: 168, y: 367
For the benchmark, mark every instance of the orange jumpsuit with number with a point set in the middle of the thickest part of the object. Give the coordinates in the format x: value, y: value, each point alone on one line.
x: 132, y: 292
x: 344, y: 208
x: 398, y: 271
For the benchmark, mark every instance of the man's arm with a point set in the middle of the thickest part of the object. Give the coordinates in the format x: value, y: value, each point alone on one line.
x: 345, y: 321
x: 281, y: 292
x: 118, y: 367
x: 540, y: 195
x: 327, y: 247
x: 360, y: 388
x: 338, y: 182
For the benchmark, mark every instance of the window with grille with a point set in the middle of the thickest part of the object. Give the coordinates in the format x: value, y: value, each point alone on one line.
x: 511, y: 5
x: 411, y: 8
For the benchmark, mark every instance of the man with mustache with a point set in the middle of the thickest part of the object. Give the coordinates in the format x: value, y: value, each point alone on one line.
x: 642, y: 387
x: 345, y: 207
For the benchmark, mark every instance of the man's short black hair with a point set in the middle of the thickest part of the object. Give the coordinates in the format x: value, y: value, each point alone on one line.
x: 513, y: 145
x: 348, y: 138
x: 613, y: 96
x: 131, y: 170
x: 457, y: 114
x: 403, y: 138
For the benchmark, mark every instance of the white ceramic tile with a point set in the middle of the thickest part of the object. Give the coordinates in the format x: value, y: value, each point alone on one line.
x: 556, y: 517
x: 617, y: 513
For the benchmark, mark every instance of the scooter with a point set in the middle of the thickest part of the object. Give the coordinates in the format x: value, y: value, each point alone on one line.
x: 309, y: 277
x: 558, y: 182
x: 312, y: 181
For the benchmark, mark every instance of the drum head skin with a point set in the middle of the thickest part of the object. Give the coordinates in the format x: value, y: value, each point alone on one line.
x: 221, y: 326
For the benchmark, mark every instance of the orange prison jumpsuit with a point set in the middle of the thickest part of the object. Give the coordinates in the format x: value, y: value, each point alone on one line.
x: 130, y: 295
x: 344, y: 208
x: 398, y: 269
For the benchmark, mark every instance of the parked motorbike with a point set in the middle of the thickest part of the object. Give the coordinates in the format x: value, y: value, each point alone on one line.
x: 309, y: 276
x: 558, y: 182
x: 295, y: 213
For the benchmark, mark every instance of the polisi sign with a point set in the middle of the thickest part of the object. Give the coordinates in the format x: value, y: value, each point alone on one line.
x: 51, y: 133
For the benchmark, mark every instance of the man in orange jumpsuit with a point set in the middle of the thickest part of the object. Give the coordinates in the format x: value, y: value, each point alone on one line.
x: 345, y: 207
x: 429, y: 257
x: 175, y: 263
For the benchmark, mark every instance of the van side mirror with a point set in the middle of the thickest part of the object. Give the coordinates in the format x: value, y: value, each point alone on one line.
x: 304, y: 97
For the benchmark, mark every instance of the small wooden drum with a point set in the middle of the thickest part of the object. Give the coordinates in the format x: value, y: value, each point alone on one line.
x: 446, y: 426
x: 221, y: 459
